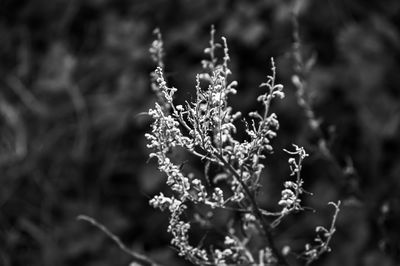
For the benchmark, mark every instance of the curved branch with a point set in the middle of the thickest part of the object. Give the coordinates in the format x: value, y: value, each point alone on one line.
x: 137, y: 257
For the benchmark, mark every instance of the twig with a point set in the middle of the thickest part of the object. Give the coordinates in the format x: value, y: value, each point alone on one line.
x: 257, y: 212
x: 323, y: 247
x: 139, y: 258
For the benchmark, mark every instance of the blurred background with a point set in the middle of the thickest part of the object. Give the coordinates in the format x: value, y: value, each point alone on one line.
x: 74, y: 80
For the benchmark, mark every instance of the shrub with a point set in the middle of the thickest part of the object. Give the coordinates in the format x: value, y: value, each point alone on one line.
x: 206, y: 128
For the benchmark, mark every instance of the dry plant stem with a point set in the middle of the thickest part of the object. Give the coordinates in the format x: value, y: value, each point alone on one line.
x: 266, y: 228
x: 207, y: 126
x: 217, y: 153
x: 325, y: 245
x: 297, y: 193
x: 332, y: 228
x: 137, y: 257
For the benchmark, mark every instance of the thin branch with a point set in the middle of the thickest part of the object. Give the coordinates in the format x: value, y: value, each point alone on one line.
x: 323, y: 246
x: 257, y: 212
x: 332, y: 229
x: 137, y: 257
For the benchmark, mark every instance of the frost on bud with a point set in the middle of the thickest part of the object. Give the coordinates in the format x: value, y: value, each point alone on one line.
x: 320, y: 229
x: 229, y: 241
x: 277, y: 91
x: 161, y: 202
x: 218, y: 196
x: 249, y: 218
x: 278, y: 87
x: 288, y: 198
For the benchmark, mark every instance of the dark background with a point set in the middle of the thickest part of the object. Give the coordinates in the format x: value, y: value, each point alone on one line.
x: 74, y: 78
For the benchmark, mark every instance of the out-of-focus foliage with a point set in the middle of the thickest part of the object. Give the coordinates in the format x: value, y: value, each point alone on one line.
x: 74, y: 80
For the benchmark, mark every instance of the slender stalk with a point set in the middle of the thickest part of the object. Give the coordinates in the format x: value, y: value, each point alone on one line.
x: 266, y: 228
x: 137, y: 257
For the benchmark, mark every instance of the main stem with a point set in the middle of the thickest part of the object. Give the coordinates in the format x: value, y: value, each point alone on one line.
x: 266, y: 228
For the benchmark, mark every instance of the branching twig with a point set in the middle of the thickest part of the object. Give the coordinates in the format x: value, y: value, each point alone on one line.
x: 257, y: 213
x: 313, y: 253
x: 137, y: 257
